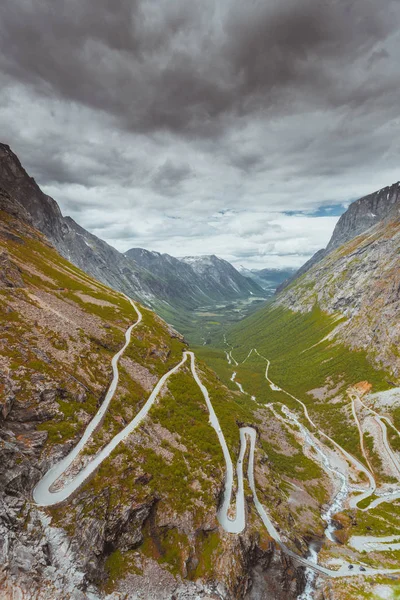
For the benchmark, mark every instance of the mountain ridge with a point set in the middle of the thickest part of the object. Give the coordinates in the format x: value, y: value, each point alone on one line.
x: 205, y: 279
x: 361, y: 281
x: 100, y: 260
x: 362, y: 214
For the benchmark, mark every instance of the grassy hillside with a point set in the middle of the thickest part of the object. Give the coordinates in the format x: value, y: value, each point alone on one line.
x: 302, y: 360
x: 60, y: 329
x: 156, y: 497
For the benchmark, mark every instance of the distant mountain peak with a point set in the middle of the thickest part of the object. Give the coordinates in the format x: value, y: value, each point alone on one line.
x: 143, y: 252
x: 206, y: 277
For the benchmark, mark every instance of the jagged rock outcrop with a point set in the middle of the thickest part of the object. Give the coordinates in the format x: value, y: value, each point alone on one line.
x: 13, y: 207
x: 361, y: 215
x: 43, y: 211
x: 361, y: 281
x: 10, y: 275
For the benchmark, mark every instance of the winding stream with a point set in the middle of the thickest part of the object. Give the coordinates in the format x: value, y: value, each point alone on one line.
x: 339, y: 499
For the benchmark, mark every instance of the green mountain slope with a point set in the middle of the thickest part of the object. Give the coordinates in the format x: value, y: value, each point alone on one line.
x: 149, y: 512
x: 301, y: 360
x: 175, y: 289
x: 323, y: 357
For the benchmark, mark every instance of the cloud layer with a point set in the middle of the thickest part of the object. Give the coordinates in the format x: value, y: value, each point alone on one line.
x: 197, y: 127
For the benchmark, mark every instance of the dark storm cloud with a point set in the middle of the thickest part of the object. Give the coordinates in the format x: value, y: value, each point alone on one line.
x: 183, y: 66
x: 123, y: 57
x: 177, y: 108
x: 169, y: 176
x: 377, y: 56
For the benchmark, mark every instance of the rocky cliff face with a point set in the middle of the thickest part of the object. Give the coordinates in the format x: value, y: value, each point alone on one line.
x: 73, y: 242
x: 44, y: 212
x: 364, y: 214
x: 361, y: 281
x: 361, y: 215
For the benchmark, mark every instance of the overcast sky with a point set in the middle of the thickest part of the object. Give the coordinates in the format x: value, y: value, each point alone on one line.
x: 235, y: 127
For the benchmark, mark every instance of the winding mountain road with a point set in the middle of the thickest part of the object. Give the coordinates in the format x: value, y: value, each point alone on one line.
x: 360, y: 433
x: 383, y: 496
x: 353, y: 502
x: 339, y: 499
x: 356, y: 463
x: 44, y: 495
x: 379, y: 419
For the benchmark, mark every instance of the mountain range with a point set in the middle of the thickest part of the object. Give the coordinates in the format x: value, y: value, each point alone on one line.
x: 148, y: 516
x: 195, y: 281
x: 261, y: 465
x: 153, y: 278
